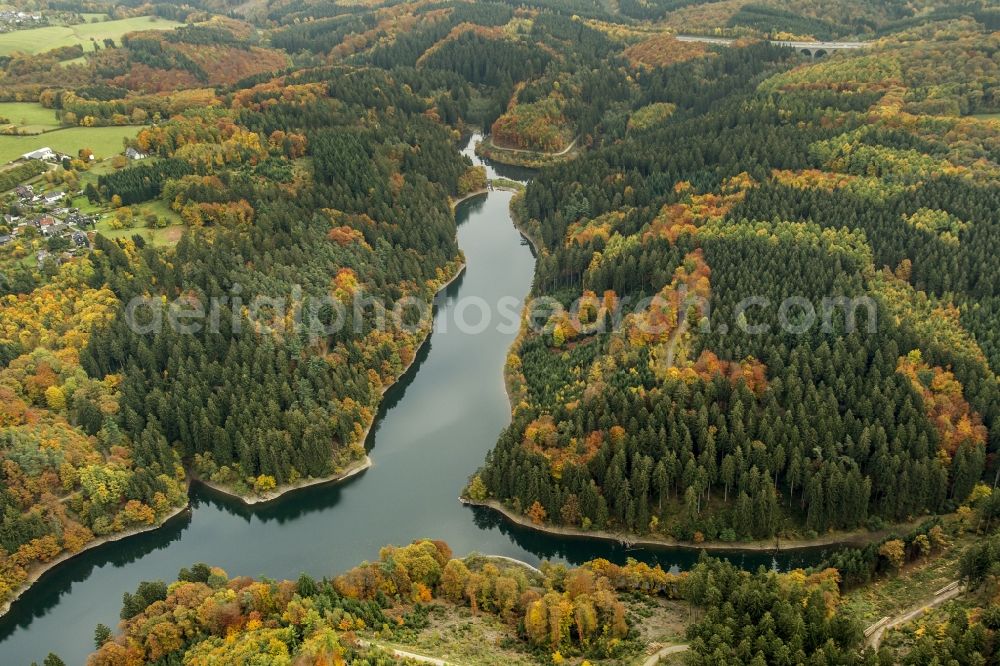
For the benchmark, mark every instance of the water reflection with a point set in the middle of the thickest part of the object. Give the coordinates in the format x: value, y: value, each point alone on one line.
x: 579, y: 549
x: 47, y: 592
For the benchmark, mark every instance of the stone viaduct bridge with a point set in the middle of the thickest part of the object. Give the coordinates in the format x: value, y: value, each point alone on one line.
x: 808, y: 49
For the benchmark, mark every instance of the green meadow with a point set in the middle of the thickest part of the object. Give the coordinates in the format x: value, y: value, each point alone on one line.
x: 29, y: 117
x: 38, y: 40
x: 104, y: 141
x: 160, y: 237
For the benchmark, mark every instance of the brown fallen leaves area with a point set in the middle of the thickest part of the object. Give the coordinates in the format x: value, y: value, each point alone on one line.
x: 226, y: 65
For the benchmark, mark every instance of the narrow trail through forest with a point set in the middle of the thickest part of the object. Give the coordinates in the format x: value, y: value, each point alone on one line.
x: 534, y: 152
x: 655, y: 658
x: 876, y: 632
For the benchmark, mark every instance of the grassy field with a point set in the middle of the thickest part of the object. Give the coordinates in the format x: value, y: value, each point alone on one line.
x: 50, y: 37
x: 987, y: 116
x: 87, y: 208
x: 82, y: 60
x: 104, y: 141
x: 28, y: 116
x: 101, y: 168
x: 164, y: 237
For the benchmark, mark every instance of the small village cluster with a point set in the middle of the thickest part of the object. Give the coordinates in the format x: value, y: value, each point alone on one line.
x: 11, y: 19
x: 47, y: 215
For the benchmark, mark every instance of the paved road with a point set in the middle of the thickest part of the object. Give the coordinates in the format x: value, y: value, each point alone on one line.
x: 722, y: 41
x: 948, y: 592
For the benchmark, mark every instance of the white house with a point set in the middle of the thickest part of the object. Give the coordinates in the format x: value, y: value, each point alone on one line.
x: 54, y: 198
x: 45, y: 154
x: 134, y: 154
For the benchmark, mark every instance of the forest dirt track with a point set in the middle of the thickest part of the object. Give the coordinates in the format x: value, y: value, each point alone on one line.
x: 945, y: 594
x: 534, y: 152
x: 654, y: 659
x: 406, y: 655
x: 873, y: 640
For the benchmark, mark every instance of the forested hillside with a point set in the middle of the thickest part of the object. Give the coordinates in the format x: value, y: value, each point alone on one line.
x: 206, y: 616
x: 861, y: 176
x: 368, y: 212
x: 777, y: 282
x: 70, y: 475
x: 330, y: 183
x: 212, y: 51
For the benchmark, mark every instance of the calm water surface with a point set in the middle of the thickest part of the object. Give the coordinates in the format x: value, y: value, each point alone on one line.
x: 433, y: 430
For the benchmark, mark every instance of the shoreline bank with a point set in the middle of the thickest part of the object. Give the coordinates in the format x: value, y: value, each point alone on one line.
x: 466, y: 197
x: 509, y: 560
x: 515, y: 347
x: 38, y: 573
x: 522, y: 229
x: 476, y: 193
x: 523, y: 157
x: 359, y: 466
x: 636, y: 541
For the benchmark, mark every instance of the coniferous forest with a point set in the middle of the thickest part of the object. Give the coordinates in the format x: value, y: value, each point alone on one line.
x: 781, y: 191
x: 764, y: 312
